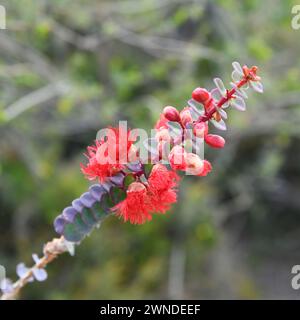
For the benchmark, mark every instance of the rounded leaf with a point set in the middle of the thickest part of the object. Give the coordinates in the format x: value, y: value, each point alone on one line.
x: 257, y: 86
x: 236, y: 76
x: 220, y: 86
x: 238, y: 103
x: 40, y: 274
x: 237, y: 67
x: 221, y: 125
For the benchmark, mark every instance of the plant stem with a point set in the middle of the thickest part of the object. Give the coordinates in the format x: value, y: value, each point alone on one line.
x: 51, y: 251
x: 230, y: 93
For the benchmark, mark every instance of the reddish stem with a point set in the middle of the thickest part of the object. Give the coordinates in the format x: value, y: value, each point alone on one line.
x: 208, y: 115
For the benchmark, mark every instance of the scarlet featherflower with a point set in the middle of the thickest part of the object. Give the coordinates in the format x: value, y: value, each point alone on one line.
x: 108, y: 156
x: 143, y: 200
x: 136, y: 207
x: 162, y: 186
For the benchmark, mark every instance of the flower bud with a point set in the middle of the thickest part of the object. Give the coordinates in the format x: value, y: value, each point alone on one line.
x: 201, y: 95
x: 177, y: 158
x: 186, y: 116
x: 207, y: 167
x: 136, y: 187
x: 194, y: 165
x: 200, y: 129
x: 163, y: 149
x: 171, y: 114
x: 163, y: 135
x: 215, y: 141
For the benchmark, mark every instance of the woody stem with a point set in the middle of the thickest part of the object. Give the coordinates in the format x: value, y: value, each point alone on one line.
x: 51, y: 251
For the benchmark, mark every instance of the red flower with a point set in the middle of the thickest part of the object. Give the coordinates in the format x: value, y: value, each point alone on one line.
x: 143, y: 201
x: 108, y: 156
x: 135, y: 208
x: 162, y: 187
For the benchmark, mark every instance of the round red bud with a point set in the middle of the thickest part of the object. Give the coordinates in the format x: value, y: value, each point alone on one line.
x: 186, y: 116
x: 201, y: 95
x: 207, y: 167
x: 171, y: 114
x: 194, y: 165
x: 215, y: 141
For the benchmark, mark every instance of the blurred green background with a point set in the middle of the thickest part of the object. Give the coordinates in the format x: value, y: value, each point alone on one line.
x: 71, y: 67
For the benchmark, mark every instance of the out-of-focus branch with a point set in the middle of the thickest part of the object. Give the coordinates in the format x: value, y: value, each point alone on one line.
x: 35, y: 98
x: 181, y: 49
x: 89, y: 43
x: 39, y: 63
x: 131, y: 7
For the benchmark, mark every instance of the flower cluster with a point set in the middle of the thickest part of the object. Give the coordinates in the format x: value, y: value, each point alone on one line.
x: 107, y: 157
x: 203, y: 108
x: 177, y: 136
x: 154, y: 196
